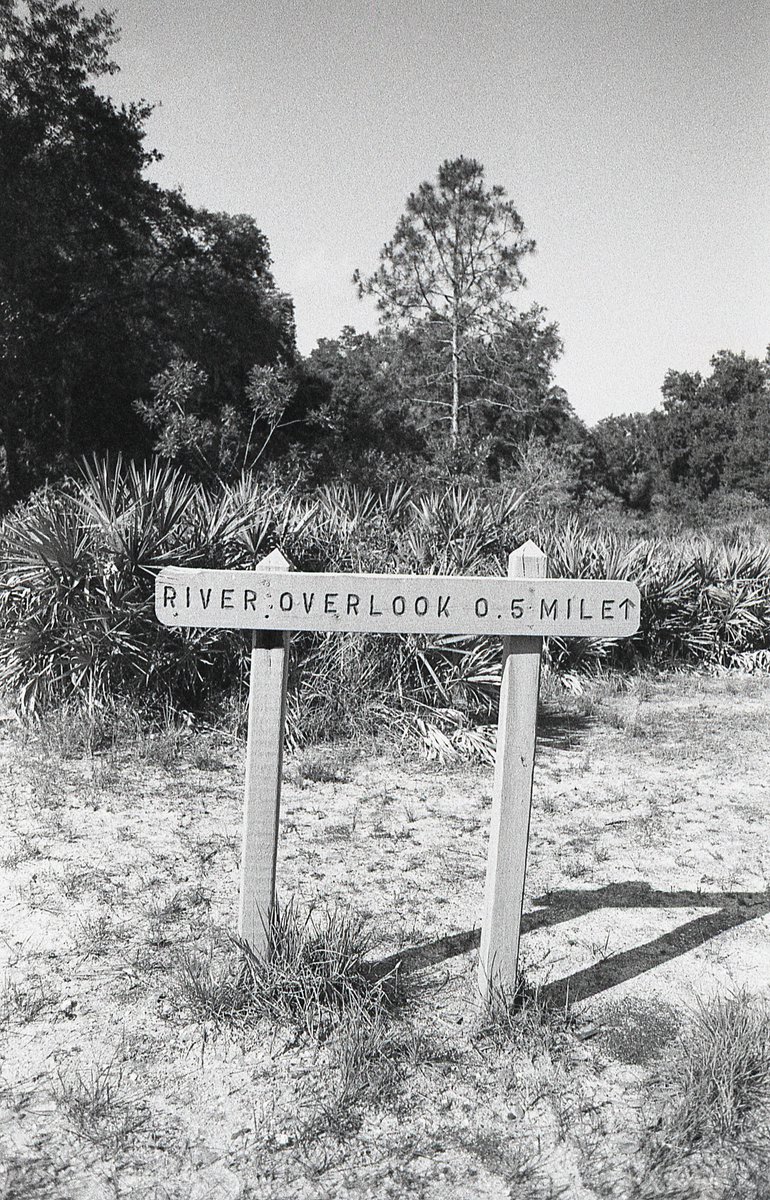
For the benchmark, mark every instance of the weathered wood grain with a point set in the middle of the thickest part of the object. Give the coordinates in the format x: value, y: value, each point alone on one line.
x: 511, y: 797
x: 397, y: 603
x: 262, y: 791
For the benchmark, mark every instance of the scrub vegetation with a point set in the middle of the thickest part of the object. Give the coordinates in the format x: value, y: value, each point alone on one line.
x: 77, y: 619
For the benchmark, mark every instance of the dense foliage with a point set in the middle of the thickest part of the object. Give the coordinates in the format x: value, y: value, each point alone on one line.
x: 77, y: 616
x: 132, y: 322
x: 709, y: 438
x: 105, y: 278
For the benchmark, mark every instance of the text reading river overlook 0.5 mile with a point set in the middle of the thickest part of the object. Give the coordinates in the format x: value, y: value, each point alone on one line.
x: 396, y: 603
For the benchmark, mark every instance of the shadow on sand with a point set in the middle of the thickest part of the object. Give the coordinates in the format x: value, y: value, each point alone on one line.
x: 732, y: 909
x: 561, y: 730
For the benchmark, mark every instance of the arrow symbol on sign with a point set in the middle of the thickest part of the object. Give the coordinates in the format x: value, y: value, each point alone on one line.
x: 625, y: 605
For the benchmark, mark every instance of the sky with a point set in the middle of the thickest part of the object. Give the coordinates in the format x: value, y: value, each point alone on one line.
x: 632, y: 135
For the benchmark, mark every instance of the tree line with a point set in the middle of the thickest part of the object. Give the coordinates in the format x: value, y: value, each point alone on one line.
x: 132, y: 321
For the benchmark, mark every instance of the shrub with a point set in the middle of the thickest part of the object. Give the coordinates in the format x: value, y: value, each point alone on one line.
x: 77, y: 615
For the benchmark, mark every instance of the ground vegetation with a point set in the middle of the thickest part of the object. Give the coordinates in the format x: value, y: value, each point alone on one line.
x: 77, y: 619
x: 144, y: 1055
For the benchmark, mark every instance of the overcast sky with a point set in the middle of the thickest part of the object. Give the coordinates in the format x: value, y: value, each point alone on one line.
x: 632, y: 135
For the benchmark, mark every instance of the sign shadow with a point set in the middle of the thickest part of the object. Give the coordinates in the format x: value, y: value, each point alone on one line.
x: 560, y: 730
x: 732, y: 910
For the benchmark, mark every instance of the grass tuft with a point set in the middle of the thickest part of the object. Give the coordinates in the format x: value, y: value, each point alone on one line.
x: 316, y: 970
x: 314, y: 974
x: 363, y: 1068
x: 79, y: 729
x: 97, y: 1107
x: 524, y: 1019
x: 720, y: 1072
x: 98, y: 934
x: 322, y: 764
x: 365, y: 1060
x: 26, y: 1000
x: 212, y: 994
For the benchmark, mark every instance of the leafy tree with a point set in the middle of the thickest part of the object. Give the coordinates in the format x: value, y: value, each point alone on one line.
x: 624, y: 458
x: 446, y: 278
x: 211, y: 440
x: 214, y: 299
x: 175, y: 412
x: 748, y: 461
x: 73, y: 205
x: 713, y: 432
x: 360, y: 417
x: 369, y: 392
x: 510, y: 380
x: 105, y: 278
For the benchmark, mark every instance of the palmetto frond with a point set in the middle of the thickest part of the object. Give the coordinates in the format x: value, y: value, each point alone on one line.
x: 139, y: 510
x: 77, y: 615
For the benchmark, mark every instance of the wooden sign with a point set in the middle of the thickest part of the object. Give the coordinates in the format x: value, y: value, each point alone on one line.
x: 431, y: 604
x: 522, y: 608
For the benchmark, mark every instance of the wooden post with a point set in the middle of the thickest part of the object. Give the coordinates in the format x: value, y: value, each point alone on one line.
x: 511, y: 796
x: 262, y: 793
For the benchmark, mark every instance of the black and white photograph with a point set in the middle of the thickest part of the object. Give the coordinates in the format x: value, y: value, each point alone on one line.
x: 385, y: 600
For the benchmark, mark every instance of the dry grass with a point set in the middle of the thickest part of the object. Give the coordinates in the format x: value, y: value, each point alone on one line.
x: 355, y: 1061
x: 97, y: 1106
x: 314, y: 976
x: 25, y: 1000
x: 321, y: 764
x: 719, y: 1074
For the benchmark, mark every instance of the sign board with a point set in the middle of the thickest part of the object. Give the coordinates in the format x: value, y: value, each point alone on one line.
x: 521, y: 609
x: 431, y: 604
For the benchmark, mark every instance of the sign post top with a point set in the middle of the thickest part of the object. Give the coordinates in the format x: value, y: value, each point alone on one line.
x: 274, y: 561
x: 527, y: 561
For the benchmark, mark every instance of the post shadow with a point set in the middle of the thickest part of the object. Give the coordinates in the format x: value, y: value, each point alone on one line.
x: 733, y: 909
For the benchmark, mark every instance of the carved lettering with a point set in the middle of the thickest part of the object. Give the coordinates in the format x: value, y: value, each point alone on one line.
x: 397, y: 603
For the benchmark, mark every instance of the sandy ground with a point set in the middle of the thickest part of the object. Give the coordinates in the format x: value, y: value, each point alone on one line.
x: 647, y: 892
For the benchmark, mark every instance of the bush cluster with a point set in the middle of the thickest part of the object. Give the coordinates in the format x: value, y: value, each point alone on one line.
x: 77, y: 620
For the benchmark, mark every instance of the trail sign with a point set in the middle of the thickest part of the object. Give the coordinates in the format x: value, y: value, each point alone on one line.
x: 522, y: 608
x: 432, y: 604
